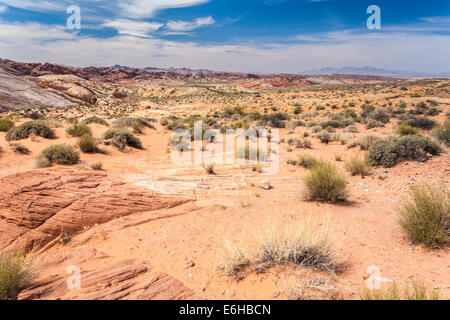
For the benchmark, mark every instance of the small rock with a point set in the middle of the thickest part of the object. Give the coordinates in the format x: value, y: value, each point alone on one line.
x: 265, y: 184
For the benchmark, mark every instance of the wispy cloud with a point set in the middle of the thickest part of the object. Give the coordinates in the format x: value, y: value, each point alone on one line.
x: 3, y: 8
x: 182, y: 26
x: 134, y: 28
x: 148, y: 8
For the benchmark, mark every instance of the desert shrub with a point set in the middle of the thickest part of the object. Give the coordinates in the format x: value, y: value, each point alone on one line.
x: 6, y: 125
x: 121, y: 137
x: 326, y: 182
x: 88, y: 144
x: 405, y: 130
x: 209, y: 168
x: 276, y: 120
x: 233, y: 260
x: 97, y: 166
x: 433, y: 112
x: 17, y: 147
x: 380, y: 115
x: 79, y: 130
x: 391, y: 151
x: 61, y: 154
x: 352, y: 129
x: 443, y: 133
x: 307, y: 161
x: 136, y: 123
x: 358, y: 165
x: 368, y: 141
x: 332, y: 124
x: 95, y: 119
x: 324, y: 137
x: 26, y: 129
x: 422, y: 123
x: 15, y: 273
x: 425, y: 216
x: 301, y: 244
x: 41, y: 162
x: 374, y: 124
x: 415, y: 291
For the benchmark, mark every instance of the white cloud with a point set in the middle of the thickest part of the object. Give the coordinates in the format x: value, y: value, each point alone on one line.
x: 182, y: 26
x: 148, y: 8
x: 3, y: 8
x: 398, y: 50
x: 133, y: 28
x: 36, y: 5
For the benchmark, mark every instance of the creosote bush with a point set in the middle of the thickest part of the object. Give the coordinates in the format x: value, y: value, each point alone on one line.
x: 391, y: 151
x: 358, y: 165
x: 61, y: 154
x: 121, y: 137
x: 405, y: 130
x: 443, y: 133
x: 26, y: 129
x: 325, y: 182
x: 95, y: 119
x: 422, y: 123
x: 79, y: 130
x: 425, y: 216
x: 88, y: 144
x: 15, y: 273
x: 6, y: 125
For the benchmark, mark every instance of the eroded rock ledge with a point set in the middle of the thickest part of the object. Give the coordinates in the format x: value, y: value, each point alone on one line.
x: 37, y: 206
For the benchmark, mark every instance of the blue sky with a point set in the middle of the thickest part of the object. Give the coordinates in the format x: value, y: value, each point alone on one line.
x: 231, y: 35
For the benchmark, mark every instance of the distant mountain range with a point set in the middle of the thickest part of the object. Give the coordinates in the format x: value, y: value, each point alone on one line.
x: 374, y: 72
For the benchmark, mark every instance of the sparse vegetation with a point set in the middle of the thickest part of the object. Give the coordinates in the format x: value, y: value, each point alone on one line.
x: 88, y: 144
x: 26, y: 129
x: 425, y: 216
x: 326, y: 182
x: 405, y: 130
x: 95, y: 119
x: 358, y: 165
x: 415, y: 291
x: 61, y: 154
x: 15, y: 273
x: 5, y: 125
x: 443, y: 133
x: 121, y: 137
x: 79, y: 130
x: 391, y: 151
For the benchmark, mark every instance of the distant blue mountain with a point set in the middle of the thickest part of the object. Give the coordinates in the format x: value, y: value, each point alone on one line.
x: 374, y: 72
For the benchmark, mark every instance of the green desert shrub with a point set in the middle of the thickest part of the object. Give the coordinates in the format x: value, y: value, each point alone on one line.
x: 252, y: 153
x: 372, y: 123
x: 405, y: 130
x: 325, y: 182
x: 443, y: 133
x: 6, y: 125
x: 391, y: 151
x: 422, y: 123
x: 97, y: 166
x: 425, y: 216
x: 61, y: 154
x: 41, y: 162
x: 79, y: 130
x: 121, y: 137
x: 26, y: 129
x: 307, y: 161
x: 95, y: 119
x: 358, y: 165
x: 88, y: 144
x: 15, y: 273
x: 368, y: 141
x: 136, y: 123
